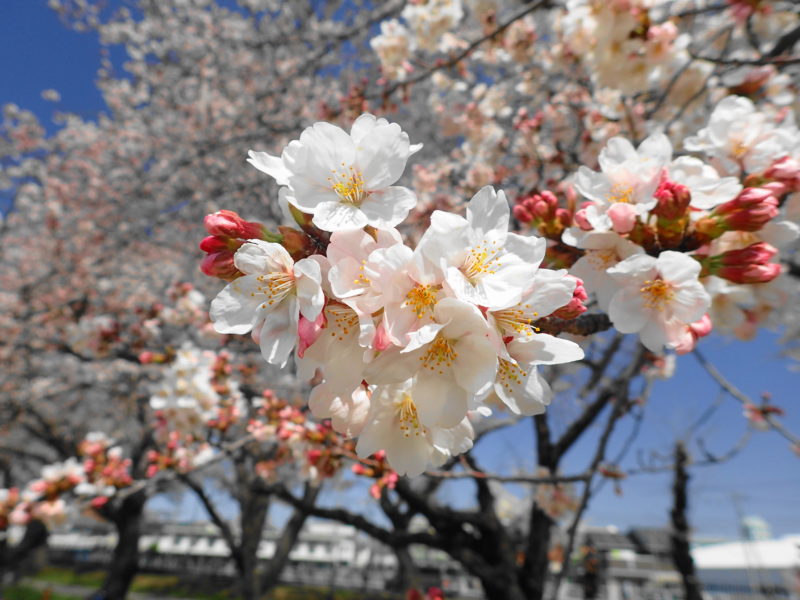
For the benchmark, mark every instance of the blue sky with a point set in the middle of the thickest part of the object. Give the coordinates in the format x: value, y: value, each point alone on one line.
x: 37, y: 52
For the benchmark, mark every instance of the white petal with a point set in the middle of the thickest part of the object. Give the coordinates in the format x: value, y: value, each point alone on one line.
x: 334, y: 216
x: 388, y: 207
x: 309, y: 291
x: 271, y: 165
x: 257, y: 257
x: 488, y: 211
x: 235, y: 310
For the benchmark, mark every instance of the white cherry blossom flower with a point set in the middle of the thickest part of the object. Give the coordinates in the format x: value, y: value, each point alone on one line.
x: 708, y: 189
x: 628, y: 178
x: 451, y: 362
x: 269, y: 298
x: 738, y: 137
x: 345, y: 180
x: 394, y: 425
x: 658, y: 297
x: 482, y: 262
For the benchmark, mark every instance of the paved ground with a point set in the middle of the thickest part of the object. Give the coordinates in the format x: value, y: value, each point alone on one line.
x: 80, y: 591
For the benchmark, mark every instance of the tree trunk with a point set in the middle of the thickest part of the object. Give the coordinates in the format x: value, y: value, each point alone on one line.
x: 681, y: 554
x: 289, y: 535
x: 254, y: 508
x: 13, y: 557
x: 407, y: 576
x: 535, y: 570
x: 125, y: 560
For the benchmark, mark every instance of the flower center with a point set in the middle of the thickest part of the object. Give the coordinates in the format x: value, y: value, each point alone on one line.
x: 510, y: 374
x: 518, y: 319
x: 620, y: 193
x: 407, y: 416
x: 348, y: 185
x: 440, y: 354
x: 342, y: 321
x: 482, y: 260
x: 275, y: 286
x: 657, y: 293
x: 422, y: 299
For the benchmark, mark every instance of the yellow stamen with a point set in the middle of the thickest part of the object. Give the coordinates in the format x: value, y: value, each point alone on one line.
x: 422, y: 299
x: 275, y: 286
x: 440, y: 354
x: 518, y: 319
x: 657, y: 293
x: 482, y: 260
x: 348, y: 185
x: 620, y: 193
x: 407, y: 417
x: 510, y: 374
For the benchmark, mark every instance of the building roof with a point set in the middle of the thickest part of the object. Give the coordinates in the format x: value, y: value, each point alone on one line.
x: 781, y: 553
x: 651, y: 540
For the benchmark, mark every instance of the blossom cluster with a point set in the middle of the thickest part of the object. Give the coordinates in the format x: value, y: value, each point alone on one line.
x: 95, y: 477
x: 407, y: 342
x: 672, y: 247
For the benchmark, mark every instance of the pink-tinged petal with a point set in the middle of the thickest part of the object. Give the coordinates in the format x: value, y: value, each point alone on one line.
x: 335, y: 216
x: 278, y: 334
x: 440, y: 403
x: 488, y: 211
x: 627, y: 311
x: 677, y: 267
x: 308, y: 278
x: 235, y: 310
x: 271, y: 165
x: 257, y: 257
x: 381, y: 156
x: 388, y: 207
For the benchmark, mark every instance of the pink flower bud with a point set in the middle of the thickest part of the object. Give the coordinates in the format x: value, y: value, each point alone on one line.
x: 381, y: 340
x: 673, y: 200
x: 787, y: 171
x: 575, y: 307
x: 146, y: 357
x: 702, y: 327
x: 541, y: 209
x: 226, y: 223
x: 522, y: 214
x: 564, y: 217
x: 755, y: 254
x: 749, y: 211
x: 581, y: 220
x: 750, y: 273
x: 623, y: 217
x: 212, y: 243
x: 220, y: 264
x: 308, y: 332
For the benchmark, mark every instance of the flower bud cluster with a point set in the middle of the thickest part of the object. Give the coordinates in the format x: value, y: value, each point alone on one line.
x: 666, y: 241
